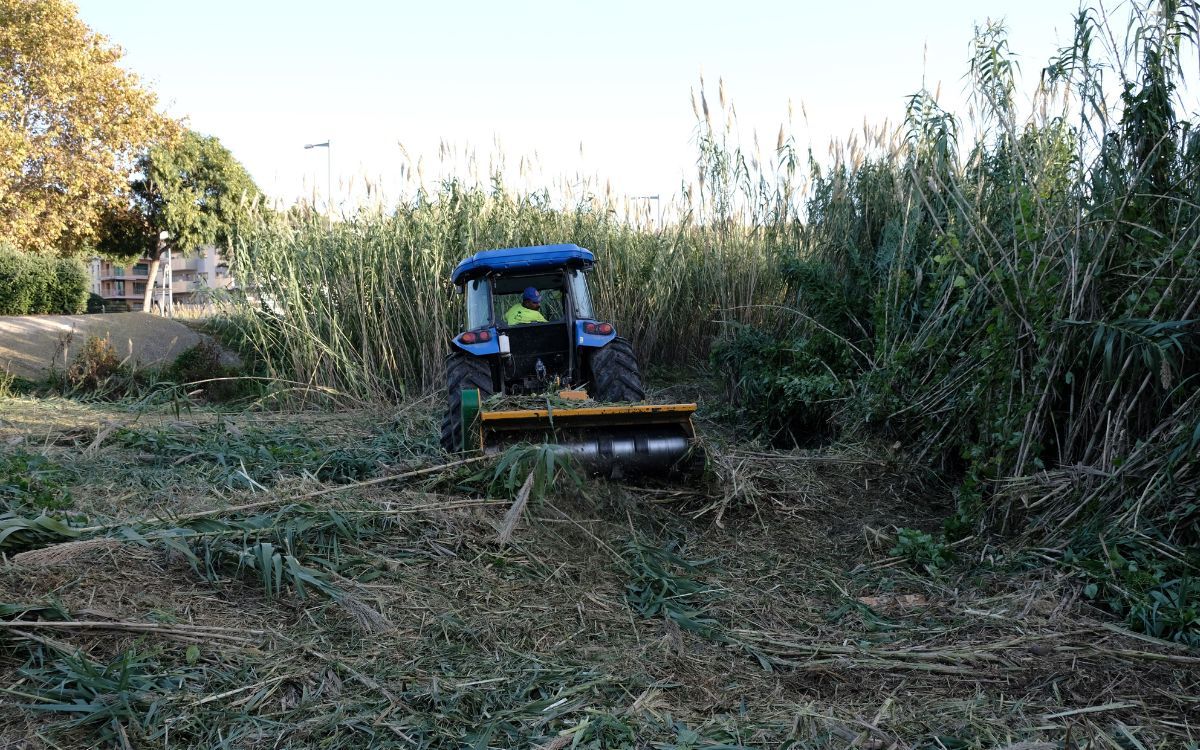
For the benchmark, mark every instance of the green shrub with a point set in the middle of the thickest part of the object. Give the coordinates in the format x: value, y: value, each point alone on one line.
x: 790, y: 384
x: 1156, y: 595
x: 202, y: 363
x: 199, y: 362
x: 16, y: 296
x: 41, y: 280
x: 69, y: 295
x: 39, y: 285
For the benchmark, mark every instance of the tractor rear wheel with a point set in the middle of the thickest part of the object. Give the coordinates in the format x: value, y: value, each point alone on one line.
x: 615, y: 375
x: 463, y: 372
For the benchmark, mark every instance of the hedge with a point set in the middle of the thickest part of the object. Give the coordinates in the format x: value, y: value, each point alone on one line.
x: 37, y: 285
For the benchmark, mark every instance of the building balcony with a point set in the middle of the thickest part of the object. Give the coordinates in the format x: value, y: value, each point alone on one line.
x: 123, y: 277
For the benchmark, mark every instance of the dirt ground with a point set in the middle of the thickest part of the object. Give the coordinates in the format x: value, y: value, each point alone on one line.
x: 30, y: 345
x: 758, y: 605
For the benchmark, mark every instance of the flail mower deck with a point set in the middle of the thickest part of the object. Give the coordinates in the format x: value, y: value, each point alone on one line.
x: 637, y: 437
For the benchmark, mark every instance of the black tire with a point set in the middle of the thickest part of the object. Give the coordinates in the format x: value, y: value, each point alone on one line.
x: 463, y: 372
x: 615, y: 375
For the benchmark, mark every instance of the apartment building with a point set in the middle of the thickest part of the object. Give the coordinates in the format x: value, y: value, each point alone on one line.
x: 120, y: 283
x: 193, y: 276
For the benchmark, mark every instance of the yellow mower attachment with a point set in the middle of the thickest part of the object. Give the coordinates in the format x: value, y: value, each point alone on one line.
x: 635, y: 437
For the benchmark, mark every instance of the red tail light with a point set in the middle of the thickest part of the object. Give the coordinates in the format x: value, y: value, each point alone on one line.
x: 475, y: 337
x: 598, y: 329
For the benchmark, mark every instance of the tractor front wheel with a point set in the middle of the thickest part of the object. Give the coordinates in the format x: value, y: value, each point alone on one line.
x: 615, y: 375
x: 463, y: 372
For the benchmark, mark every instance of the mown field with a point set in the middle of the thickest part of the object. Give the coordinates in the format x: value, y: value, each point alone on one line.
x: 284, y: 579
x: 949, y: 410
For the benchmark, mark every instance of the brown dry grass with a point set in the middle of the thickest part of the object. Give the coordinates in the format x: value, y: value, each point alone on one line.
x: 994, y: 652
x: 30, y: 345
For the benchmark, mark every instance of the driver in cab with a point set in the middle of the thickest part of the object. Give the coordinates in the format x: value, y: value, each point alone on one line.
x: 528, y: 310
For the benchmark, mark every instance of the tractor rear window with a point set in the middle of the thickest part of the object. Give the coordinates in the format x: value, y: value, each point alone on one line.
x: 551, y: 306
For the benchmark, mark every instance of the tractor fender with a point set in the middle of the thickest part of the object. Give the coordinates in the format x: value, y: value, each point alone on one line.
x: 480, y: 348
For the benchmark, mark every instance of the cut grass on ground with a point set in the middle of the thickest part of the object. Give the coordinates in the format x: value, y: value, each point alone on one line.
x: 758, y: 607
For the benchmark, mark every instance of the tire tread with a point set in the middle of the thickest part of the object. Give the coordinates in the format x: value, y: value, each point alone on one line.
x: 615, y: 374
x: 463, y: 371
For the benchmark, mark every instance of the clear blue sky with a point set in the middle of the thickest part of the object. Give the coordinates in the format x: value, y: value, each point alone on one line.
x: 542, y: 77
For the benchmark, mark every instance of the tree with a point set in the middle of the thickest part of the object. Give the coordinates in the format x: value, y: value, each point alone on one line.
x: 194, y: 189
x: 72, y: 123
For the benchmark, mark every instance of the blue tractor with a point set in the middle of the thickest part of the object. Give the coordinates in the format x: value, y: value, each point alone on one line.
x: 530, y: 328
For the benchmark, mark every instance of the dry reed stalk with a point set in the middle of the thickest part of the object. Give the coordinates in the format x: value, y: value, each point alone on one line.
x: 513, y: 516
x: 60, y: 554
x: 201, y: 632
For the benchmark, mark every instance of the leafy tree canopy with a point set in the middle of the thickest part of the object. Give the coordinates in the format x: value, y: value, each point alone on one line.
x: 195, y: 189
x: 72, y: 124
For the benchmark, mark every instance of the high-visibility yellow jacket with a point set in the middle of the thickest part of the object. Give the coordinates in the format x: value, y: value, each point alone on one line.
x: 518, y: 314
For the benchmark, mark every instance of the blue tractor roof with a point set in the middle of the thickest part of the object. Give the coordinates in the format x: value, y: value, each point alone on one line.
x: 539, y: 258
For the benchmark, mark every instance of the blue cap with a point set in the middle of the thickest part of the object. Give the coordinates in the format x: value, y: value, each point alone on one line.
x: 531, y: 295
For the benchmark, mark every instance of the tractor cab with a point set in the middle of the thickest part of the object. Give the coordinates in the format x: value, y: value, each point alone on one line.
x: 531, y: 356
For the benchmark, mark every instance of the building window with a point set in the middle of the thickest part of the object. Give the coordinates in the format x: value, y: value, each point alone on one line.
x: 120, y: 287
x: 139, y: 287
x: 141, y: 269
x: 119, y: 271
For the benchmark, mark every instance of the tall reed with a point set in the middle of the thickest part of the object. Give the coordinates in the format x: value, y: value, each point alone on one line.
x: 1021, y: 310
x: 366, y: 307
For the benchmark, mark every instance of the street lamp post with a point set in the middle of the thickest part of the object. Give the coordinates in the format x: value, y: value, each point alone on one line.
x: 328, y: 172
